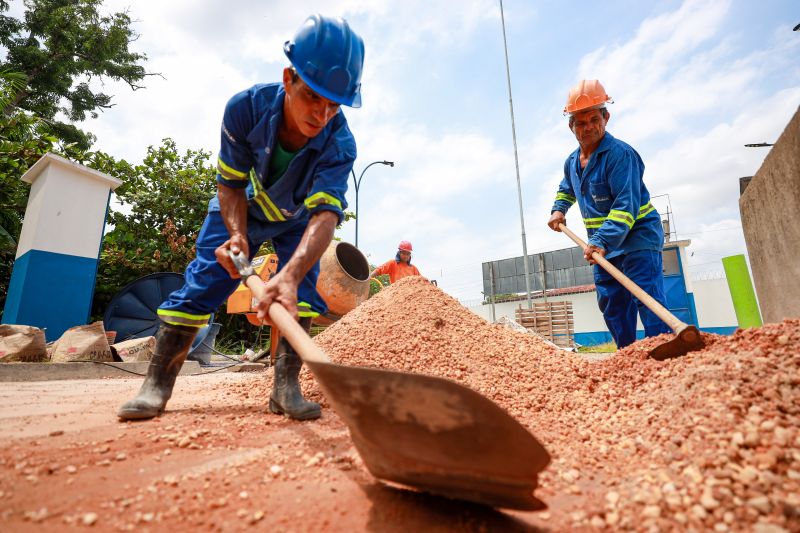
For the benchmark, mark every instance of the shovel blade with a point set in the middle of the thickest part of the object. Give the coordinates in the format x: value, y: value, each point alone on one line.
x: 685, y: 341
x: 435, y: 435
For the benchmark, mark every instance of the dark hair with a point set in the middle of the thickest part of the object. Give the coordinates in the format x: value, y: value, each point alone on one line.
x: 603, y: 112
x: 294, y: 74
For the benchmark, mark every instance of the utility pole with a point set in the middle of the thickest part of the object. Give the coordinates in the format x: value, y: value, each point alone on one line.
x: 516, y: 164
x: 544, y: 277
x: 491, y: 284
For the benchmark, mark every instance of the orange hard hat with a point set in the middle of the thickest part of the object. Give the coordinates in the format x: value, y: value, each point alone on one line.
x: 587, y: 94
x: 405, y: 246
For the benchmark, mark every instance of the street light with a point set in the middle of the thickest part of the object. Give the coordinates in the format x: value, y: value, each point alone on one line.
x: 358, y: 184
x: 758, y: 145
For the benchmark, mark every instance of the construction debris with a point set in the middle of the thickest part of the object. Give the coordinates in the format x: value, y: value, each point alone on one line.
x: 82, y: 343
x: 135, y: 349
x: 20, y: 343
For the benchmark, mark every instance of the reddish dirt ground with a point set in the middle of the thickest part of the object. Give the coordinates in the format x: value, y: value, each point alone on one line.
x: 709, y: 441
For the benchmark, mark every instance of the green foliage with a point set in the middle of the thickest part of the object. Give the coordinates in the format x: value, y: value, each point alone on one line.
x: 377, y: 283
x: 60, y: 47
x: 11, y: 84
x: 375, y: 287
x: 163, y: 203
x: 607, y: 347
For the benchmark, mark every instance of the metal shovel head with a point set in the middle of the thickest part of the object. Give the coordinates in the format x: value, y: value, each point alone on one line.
x: 435, y: 435
x: 685, y: 341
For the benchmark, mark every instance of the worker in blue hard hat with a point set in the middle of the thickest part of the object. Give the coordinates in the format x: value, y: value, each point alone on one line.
x: 285, y: 157
x: 605, y: 176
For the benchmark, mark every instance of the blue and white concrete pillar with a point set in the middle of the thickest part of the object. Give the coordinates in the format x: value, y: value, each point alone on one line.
x: 53, y: 280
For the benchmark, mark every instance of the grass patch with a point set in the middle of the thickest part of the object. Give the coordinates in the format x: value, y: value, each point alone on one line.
x: 599, y: 348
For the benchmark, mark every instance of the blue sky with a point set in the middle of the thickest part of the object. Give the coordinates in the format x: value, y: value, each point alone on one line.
x: 693, y: 81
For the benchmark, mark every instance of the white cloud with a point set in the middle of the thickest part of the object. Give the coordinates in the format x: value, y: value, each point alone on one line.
x: 688, y: 96
x: 688, y: 102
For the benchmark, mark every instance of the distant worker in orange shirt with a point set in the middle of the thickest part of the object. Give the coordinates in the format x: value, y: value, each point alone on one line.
x: 400, y: 266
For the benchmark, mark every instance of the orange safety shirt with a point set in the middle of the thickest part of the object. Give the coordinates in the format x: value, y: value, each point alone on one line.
x: 397, y: 270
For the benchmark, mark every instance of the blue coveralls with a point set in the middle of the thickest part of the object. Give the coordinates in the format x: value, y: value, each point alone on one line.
x: 619, y: 218
x: 315, y: 180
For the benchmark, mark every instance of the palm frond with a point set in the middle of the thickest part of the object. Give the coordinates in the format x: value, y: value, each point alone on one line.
x: 11, y: 84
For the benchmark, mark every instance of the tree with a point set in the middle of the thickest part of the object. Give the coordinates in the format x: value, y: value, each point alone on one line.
x: 24, y: 138
x: 60, y: 47
x: 163, y: 203
x: 11, y: 84
x: 10, y: 221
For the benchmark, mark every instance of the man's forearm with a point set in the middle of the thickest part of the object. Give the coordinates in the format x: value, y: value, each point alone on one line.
x: 233, y: 208
x: 315, y: 241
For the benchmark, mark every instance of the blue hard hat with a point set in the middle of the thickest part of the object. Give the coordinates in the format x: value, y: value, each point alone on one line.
x: 329, y: 57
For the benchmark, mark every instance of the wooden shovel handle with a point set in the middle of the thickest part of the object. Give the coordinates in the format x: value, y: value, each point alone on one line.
x: 294, y: 332
x: 660, y: 311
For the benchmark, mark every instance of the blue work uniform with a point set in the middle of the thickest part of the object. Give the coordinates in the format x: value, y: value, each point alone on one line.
x: 315, y: 180
x: 619, y: 218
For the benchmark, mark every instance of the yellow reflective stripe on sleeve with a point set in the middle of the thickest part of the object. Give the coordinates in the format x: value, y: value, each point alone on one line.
x: 322, y: 198
x: 566, y: 197
x: 591, y: 223
x: 645, y: 210
x: 177, y: 318
x: 621, y: 216
x: 230, y: 173
x: 304, y: 309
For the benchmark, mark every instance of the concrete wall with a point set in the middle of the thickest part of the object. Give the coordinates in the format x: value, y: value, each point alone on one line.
x: 714, y: 304
x: 770, y: 208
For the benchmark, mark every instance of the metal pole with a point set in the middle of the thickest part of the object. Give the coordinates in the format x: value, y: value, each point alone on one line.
x: 516, y: 164
x: 356, y: 184
x: 491, y: 284
x: 544, y: 277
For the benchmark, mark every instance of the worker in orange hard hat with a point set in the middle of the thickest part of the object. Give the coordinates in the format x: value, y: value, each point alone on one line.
x: 605, y: 176
x: 400, y: 266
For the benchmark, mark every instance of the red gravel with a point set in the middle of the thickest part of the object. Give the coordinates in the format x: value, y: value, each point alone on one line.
x: 708, y: 441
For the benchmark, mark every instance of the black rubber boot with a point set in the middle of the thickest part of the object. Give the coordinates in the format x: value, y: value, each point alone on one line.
x: 172, y: 346
x: 286, y: 397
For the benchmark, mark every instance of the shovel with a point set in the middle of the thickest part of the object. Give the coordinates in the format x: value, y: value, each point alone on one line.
x: 687, y: 338
x: 422, y: 432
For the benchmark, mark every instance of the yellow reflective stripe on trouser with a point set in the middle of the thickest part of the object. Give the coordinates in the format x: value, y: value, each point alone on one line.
x: 322, y: 198
x: 621, y: 216
x: 263, y: 201
x: 177, y: 318
x: 230, y: 173
x: 645, y: 210
x: 304, y: 309
x: 566, y: 197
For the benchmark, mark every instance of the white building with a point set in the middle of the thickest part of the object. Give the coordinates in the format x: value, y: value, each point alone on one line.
x: 705, y: 303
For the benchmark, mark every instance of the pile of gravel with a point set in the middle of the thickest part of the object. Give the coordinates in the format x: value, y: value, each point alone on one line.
x: 708, y: 441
